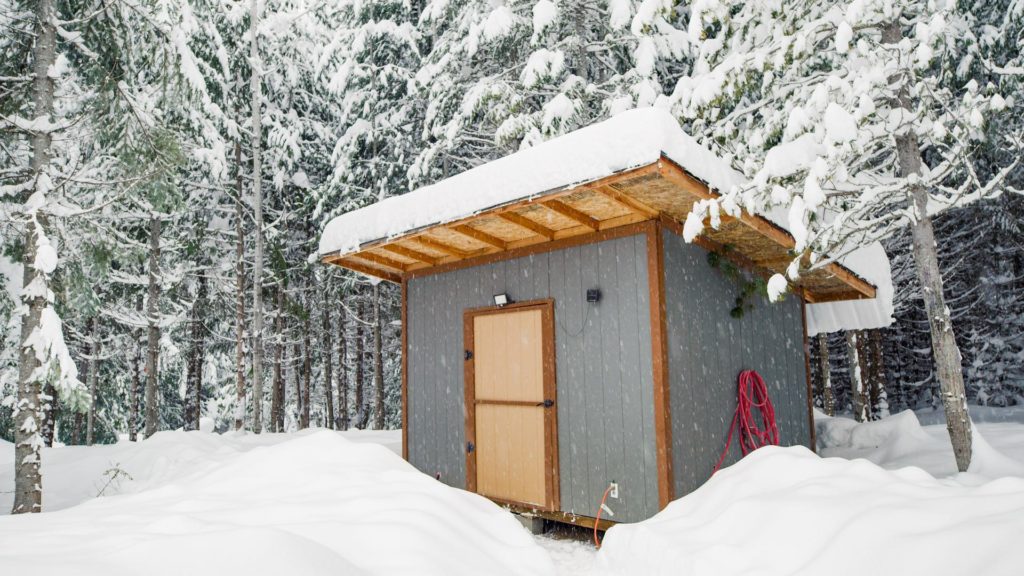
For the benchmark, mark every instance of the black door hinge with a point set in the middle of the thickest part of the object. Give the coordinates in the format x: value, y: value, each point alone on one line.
x: 469, y: 447
x: 469, y: 354
x: 547, y: 403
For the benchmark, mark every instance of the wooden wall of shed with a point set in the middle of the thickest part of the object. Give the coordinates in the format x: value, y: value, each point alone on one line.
x: 708, y: 348
x: 603, y: 361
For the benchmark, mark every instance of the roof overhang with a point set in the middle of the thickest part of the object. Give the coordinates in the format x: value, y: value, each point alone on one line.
x: 661, y: 191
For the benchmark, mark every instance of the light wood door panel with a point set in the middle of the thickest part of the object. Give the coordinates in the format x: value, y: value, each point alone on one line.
x: 510, y: 453
x: 510, y: 359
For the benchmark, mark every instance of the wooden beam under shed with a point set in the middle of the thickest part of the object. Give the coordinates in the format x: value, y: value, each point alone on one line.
x: 524, y: 222
x: 572, y: 213
x: 480, y: 236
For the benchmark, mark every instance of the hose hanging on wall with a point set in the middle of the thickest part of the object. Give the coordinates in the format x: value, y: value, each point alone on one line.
x: 751, y: 393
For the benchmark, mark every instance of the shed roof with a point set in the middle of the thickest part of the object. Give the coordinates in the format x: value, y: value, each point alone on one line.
x: 639, y: 165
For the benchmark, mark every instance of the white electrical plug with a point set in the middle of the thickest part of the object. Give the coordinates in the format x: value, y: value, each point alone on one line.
x: 614, y: 492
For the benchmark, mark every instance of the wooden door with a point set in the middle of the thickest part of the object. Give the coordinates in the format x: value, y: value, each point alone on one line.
x: 512, y: 450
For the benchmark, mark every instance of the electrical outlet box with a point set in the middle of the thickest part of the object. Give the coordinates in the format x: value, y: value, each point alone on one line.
x: 614, y: 492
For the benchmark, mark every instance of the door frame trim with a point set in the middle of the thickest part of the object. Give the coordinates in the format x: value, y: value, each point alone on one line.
x: 551, y: 462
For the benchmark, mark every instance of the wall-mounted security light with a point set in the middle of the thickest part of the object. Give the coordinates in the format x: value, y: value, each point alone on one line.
x: 593, y: 295
x: 501, y: 299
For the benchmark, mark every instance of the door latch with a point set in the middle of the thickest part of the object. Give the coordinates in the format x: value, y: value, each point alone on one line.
x: 469, y: 447
x: 469, y: 355
x: 548, y: 403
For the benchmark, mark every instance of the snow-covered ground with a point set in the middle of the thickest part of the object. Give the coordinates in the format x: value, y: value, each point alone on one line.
x: 310, y: 503
x: 885, y: 499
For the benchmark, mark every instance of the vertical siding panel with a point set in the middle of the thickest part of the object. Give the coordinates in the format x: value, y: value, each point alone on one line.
x: 610, y: 360
x: 646, y: 373
x: 634, y: 483
x: 595, y: 401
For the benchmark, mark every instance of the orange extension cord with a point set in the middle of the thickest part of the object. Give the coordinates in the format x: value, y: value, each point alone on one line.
x: 597, y: 543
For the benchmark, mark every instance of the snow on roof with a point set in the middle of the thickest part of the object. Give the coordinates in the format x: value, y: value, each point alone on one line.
x: 629, y: 140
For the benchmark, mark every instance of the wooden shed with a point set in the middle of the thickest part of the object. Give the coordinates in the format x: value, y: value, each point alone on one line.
x: 559, y: 334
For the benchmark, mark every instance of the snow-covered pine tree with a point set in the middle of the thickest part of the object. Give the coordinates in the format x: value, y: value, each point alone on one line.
x: 839, y: 113
x: 498, y: 76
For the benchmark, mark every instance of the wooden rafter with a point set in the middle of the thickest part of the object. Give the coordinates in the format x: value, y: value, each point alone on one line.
x: 480, y: 236
x: 380, y: 260
x: 524, y: 222
x: 410, y: 253
x: 441, y: 246
x: 572, y: 213
x: 628, y: 202
x: 365, y: 269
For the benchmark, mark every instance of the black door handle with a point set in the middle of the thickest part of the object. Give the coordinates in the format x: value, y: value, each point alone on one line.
x: 547, y: 403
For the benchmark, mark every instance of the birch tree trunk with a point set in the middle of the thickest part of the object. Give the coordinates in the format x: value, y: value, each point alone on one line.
x: 133, y: 394
x: 926, y: 261
x: 858, y: 392
x: 327, y: 350
x: 28, y: 479
x: 277, y: 398
x: 360, y: 410
x: 239, y: 295
x: 378, y: 363
x: 94, y: 350
x: 342, y: 374
x: 153, y: 326
x: 50, y: 421
x: 878, y: 395
x: 257, y: 200
x: 828, y: 403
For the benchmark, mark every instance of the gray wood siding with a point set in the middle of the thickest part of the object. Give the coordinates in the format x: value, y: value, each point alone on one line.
x: 708, y: 348
x: 603, y: 369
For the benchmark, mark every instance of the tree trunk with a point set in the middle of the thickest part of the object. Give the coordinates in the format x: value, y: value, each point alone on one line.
x: 94, y: 351
x: 378, y: 363
x: 76, y: 430
x: 297, y: 372
x: 257, y: 201
x: 133, y: 394
x: 307, y: 366
x: 153, y: 326
x: 28, y: 479
x: 342, y: 374
x: 828, y: 403
x: 858, y: 391
x: 926, y: 261
x: 194, y: 379
x: 277, y: 398
x: 239, y: 295
x: 878, y: 395
x: 326, y: 351
x: 50, y: 423
x: 360, y: 409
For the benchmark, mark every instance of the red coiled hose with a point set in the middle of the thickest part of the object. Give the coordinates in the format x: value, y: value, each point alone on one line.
x: 751, y: 393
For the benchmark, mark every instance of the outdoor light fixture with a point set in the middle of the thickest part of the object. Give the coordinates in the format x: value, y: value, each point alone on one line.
x: 593, y: 295
x: 501, y: 299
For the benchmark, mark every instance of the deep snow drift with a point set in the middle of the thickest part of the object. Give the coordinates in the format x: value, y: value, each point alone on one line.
x: 311, y: 503
x: 788, y: 511
x: 319, y: 502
